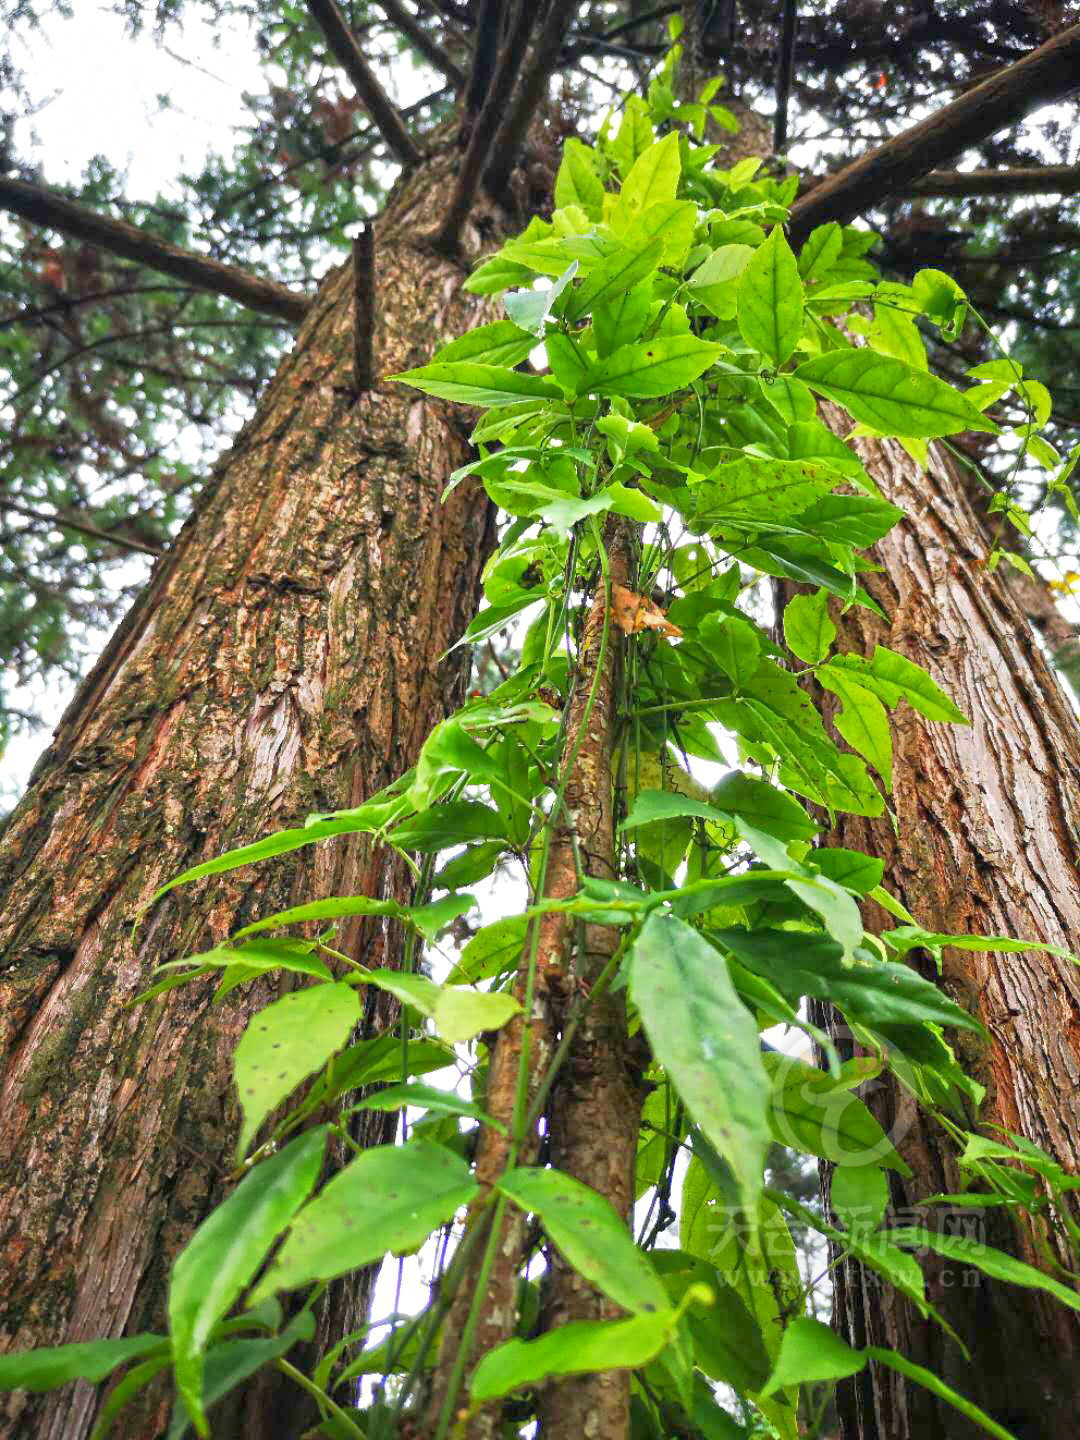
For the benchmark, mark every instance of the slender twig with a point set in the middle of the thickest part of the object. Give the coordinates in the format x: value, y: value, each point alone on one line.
x: 44, y: 207
x: 511, y: 133
x: 432, y: 52
x: 1048, y: 73
x: 378, y: 104
x: 363, y: 269
x: 785, y: 66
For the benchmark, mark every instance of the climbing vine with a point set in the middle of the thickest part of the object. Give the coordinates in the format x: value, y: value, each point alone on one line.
x: 651, y: 434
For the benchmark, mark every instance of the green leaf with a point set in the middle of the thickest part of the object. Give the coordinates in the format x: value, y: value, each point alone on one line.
x: 222, y: 1257
x: 577, y: 182
x: 815, y: 1112
x: 892, y: 397
x: 613, y: 283
x: 473, y: 384
x: 727, y: 1342
x: 590, y: 1235
x: 426, y: 1097
x: 434, y: 917
x: 733, y: 644
x: 763, y: 806
x: 530, y: 309
x: 229, y: 1365
x: 862, y: 722
x: 284, y: 1044
x: 995, y: 1263
x: 791, y: 399
x: 334, y: 907
x: 821, y: 250
x: 929, y: 1381
x: 580, y: 1348
x: 771, y: 489
x: 653, y: 806
x: 261, y: 958
x: 501, y: 343
x: 707, y: 1041
x: 812, y: 1351
x: 808, y: 630
x: 871, y: 992
x: 859, y: 1194
x: 460, y: 1014
x: 450, y: 824
x: 892, y: 678
x: 653, y: 368
x: 714, y: 282
x: 634, y: 137
x: 635, y: 504
x: 55, y: 1365
x: 771, y: 300
x: 389, y: 1198
x: 621, y: 318
x: 473, y: 864
x: 364, y: 819
x: 672, y: 223
x: 653, y: 177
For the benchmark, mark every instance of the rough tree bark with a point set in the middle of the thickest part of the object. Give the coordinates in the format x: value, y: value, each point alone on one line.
x: 283, y: 659
x: 989, y: 823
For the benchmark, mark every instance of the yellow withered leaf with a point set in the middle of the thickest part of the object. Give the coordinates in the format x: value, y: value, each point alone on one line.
x: 632, y: 613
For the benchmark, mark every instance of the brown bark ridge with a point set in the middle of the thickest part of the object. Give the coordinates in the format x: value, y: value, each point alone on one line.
x: 988, y: 829
x: 585, y: 830
x: 595, y: 1109
x: 282, y: 660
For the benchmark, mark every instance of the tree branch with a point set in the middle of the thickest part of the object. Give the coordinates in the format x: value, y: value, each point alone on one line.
x: 44, y: 207
x: 484, y: 138
x: 485, y: 56
x: 429, y: 48
x: 511, y: 133
x: 378, y: 104
x: 363, y: 261
x: 57, y: 522
x: 784, y: 69
x: 1022, y: 180
x: 1048, y: 73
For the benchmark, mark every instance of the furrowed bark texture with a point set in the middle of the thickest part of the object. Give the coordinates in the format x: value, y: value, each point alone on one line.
x: 587, y: 823
x: 282, y: 660
x: 595, y: 1109
x: 989, y: 824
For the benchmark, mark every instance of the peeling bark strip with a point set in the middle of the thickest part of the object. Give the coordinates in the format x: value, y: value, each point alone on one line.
x: 586, y: 823
x: 282, y: 660
x: 989, y: 825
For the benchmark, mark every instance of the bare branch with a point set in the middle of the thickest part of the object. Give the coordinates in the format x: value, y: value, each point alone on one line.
x: 1023, y: 180
x: 485, y: 43
x: 378, y: 104
x: 429, y: 48
x: 543, y: 60
x: 44, y: 207
x: 483, y: 137
x: 1048, y: 73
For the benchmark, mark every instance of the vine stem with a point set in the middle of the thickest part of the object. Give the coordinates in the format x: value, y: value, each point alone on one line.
x: 483, y: 1311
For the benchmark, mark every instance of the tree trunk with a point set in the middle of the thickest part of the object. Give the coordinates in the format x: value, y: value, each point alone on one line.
x: 988, y: 825
x: 284, y: 659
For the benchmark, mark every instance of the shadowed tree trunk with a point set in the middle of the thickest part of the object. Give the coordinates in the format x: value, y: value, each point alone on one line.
x: 284, y: 659
x: 989, y: 824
